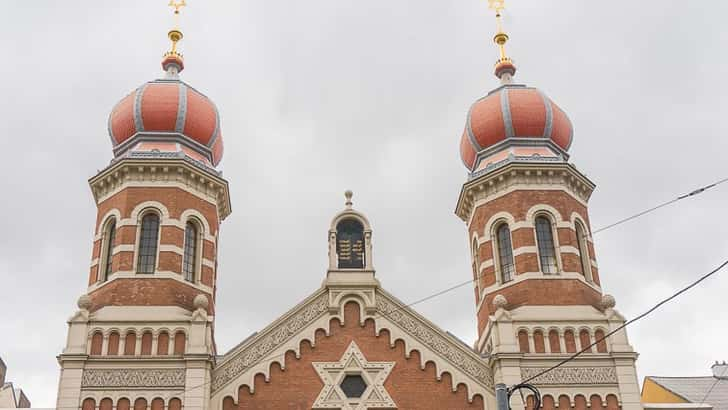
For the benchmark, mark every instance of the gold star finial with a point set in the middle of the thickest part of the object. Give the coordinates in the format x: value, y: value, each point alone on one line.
x: 173, y: 57
x: 504, y: 68
x: 177, y: 5
x: 500, y: 37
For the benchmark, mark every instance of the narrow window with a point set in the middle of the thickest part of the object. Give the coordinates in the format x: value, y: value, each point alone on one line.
x: 546, y: 251
x: 350, y: 244
x: 505, y: 253
x: 110, y: 236
x: 148, y: 244
x: 583, y: 252
x: 189, y: 263
x: 476, y: 268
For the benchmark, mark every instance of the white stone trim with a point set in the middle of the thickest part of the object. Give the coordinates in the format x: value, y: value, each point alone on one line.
x: 539, y: 275
x: 207, y: 262
x: 156, y: 275
x: 240, y: 366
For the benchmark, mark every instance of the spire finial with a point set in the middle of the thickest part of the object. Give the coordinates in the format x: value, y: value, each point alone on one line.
x: 504, y: 68
x: 173, y: 62
x: 348, y: 194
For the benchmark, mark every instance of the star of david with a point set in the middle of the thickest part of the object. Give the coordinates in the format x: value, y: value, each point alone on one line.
x: 353, y: 364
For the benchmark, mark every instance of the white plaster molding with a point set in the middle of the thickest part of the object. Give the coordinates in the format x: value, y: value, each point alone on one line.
x: 162, y: 173
x: 129, y: 378
x: 208, y: 263
x: 171, y: 248
x: 353, y: 362
x: 156, y: 275
x: 571, y: 375
x: 538, y: 275
x: 515, y: 177
x: 256, y: 355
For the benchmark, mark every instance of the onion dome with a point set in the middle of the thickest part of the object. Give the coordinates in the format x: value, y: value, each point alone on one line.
x: 167, y: 111
x: 514, y: 115
x: 513, y: 122
x: 167, y: 118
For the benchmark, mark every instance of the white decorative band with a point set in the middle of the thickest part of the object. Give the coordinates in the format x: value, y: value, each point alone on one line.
x: 571, y: 375
x: 126, y: 378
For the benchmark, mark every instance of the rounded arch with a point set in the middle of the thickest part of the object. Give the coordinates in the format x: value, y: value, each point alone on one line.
x: 149, y: 220
x: 194, y: 234
x: 585, y: 256
x: 497, y: 218
x: 123, y: 404
x: 88, y: 404
x: 523, y: 344
x: 538, y: 209
x: 197, y: 217
x: 350, y: 214
x: 146, y: 206
x: 547, y: 240
x: 175, y: 404
x: 106, y: 248
x: 502, y: 247
x: 97, y: 343
x: 111, y: 213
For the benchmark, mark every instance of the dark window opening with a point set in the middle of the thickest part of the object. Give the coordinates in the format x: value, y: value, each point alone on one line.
x: 189, y: 263
x: 547, y: 253
x: 505, y: 254
x: 350, y: 244
x: 148, y: 244
x: 110, y: 239
x: 353, y: 386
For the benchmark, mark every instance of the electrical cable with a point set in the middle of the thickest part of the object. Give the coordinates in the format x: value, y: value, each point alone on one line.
x: 635, y: 216
x: 629, y: 322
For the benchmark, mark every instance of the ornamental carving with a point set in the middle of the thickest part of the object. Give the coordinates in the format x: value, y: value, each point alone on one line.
x: 453, y: 352
x: 372, y: 393
x: 571, y: 375
x: 265, y: 344
x: 158, y: 378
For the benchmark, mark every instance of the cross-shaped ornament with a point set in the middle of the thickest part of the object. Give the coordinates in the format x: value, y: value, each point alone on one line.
x: 177, y: 5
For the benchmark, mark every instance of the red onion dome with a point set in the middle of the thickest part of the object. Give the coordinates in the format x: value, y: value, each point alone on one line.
x: 517, y: 114
x: 168, y: 111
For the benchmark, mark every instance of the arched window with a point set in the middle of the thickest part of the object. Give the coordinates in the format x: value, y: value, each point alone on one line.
x: 583, y: 251
x: 476, y: 265
x: 147, y: 260
x: 109, y: 239
x: 505, y: 253
x: 350, y: 244
x: 546, y: 250
x: 189, y: 262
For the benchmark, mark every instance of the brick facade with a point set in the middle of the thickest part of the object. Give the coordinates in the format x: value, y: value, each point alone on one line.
x: 296, y: 387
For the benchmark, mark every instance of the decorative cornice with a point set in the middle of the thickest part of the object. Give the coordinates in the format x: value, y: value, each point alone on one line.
x: 571, y: 375
x: 260, y: 346
x: 255, y: 355
x: 460, y: 355
x: 133, y: 378
x: 531, y: 175
x: 160, y: 171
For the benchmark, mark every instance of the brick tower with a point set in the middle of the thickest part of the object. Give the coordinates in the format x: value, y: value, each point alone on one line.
x: 143, y: 335
x: 537, y: 289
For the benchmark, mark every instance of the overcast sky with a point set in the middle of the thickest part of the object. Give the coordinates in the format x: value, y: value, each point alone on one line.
x: 320, y: 96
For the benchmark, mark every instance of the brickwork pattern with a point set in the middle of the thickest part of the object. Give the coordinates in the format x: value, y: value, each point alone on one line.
x: 298, y: 385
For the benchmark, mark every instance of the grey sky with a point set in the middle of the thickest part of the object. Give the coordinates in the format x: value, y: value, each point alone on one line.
x: 320, y: 96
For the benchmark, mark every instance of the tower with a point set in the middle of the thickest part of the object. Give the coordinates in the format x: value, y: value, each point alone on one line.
x: 537, y: 286
x: 143, y: 335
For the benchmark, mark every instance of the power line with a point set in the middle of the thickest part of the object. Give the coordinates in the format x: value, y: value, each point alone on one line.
x: 717, y: 380
x: 629, y: 322
x: 662, y: 205
x: 610, y: 226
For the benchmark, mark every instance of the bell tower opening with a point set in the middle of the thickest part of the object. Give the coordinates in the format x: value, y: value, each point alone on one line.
x: 350, y: 244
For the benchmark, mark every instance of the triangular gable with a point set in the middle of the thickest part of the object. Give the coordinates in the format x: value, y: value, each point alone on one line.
x: 255, y: 356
